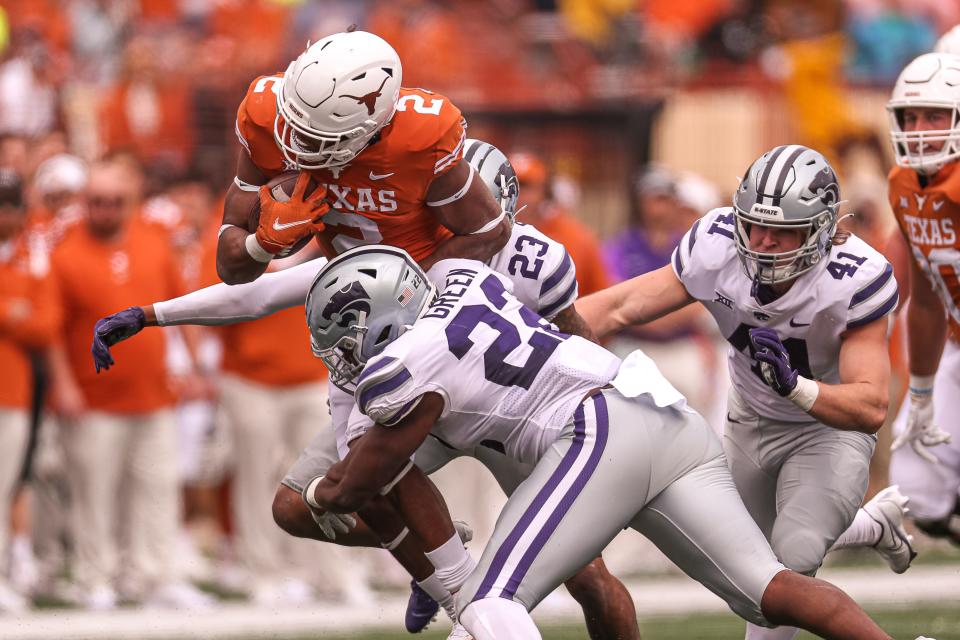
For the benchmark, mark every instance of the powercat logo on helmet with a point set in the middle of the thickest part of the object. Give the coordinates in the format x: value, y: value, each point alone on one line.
x: 766, y: 211
x: 346, y: 304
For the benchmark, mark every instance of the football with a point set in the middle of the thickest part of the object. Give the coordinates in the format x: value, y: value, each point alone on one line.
x: 281, y: 187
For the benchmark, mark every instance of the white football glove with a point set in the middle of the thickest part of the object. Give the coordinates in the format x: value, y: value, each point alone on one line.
x: 331, y: 523
x: 464, y: 530
x: 921, y: 430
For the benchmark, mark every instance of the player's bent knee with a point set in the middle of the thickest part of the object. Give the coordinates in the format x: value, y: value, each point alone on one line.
x: 289, y: 512
x: 800, y: 551
x: 498, y: 619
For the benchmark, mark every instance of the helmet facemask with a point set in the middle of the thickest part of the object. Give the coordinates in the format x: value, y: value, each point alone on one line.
x: 344, y: 360
x: 921, y: 160
x: 773, y: 268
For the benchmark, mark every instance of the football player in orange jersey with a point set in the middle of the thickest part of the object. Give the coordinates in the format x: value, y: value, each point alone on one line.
x: 925, y: 197
x: 387, y: 160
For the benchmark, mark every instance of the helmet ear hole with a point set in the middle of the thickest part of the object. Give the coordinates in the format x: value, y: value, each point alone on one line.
x: 383, y: 337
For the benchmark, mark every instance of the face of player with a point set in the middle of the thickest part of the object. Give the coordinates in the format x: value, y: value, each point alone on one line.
x: 775, y: 239
x: 926, y: 119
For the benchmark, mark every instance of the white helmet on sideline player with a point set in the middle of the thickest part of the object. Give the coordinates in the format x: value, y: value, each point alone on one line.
x: 949, y: 42
x: 335, y: 98
x: 931, y: 80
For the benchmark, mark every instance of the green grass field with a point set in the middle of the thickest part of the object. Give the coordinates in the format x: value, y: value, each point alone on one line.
x: 942, y: 623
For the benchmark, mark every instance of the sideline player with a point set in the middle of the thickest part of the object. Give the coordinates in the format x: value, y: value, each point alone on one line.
x: 543, y: 277
x: 925, y: 197
x: 474, y: 367
x: 387, y: 160
x: 804, y: 309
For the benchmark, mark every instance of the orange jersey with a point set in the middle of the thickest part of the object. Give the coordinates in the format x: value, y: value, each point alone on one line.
x: 29, y: 318
x: 380, y: 197
x: 96, y: 279
x: 929, y: 218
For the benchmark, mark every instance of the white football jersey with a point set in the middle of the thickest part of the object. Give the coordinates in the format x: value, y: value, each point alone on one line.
x: 544, y: 279
x: 853, y: 286
x: 509, y: 379
x: 543, y: 274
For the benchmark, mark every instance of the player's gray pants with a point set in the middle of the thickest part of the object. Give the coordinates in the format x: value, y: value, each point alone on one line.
x: 625, y: 462
x: 801, y: 482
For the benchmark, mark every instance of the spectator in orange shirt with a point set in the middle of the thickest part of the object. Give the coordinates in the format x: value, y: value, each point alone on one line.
x: 148, y: 112
x: 28, y: 321
x: 538, y: 208
x: 119, y: 433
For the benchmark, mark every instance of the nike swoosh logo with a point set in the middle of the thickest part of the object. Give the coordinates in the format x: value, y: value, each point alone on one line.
x: 374, y: 176
x: 731, y: 419
x: 798, y: 324
x: 937, y: 205
x: 277, y: 226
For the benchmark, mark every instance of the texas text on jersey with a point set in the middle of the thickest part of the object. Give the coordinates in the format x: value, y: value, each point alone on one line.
x: 855, y: 287
x: 928, y: 216
x: 380, y: 197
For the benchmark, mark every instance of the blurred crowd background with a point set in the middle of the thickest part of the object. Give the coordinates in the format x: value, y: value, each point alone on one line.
x: 625, y: 119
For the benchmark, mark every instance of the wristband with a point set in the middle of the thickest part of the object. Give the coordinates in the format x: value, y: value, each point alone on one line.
x: 805, y: 393
x: 308, y: 492
x: 921, y: 385
x: 256, y: 251
x: 224, y: 227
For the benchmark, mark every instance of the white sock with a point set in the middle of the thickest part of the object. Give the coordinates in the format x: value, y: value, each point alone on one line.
x: 498, y: 619
x: 864, y: 531
x: 756, y: 632
x: 433, y: 585
x: 452, y: 562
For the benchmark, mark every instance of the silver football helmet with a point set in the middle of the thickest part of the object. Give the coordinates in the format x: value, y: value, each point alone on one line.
x: 360, y: 302
x: 792, y: 187
x: 496, y: 172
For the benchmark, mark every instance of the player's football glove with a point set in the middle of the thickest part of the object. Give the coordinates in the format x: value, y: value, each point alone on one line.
x: 921, y: 430
x: 331, y: 523
x: 282, y: 224
x: 113, y: 329
x: 774, y: 360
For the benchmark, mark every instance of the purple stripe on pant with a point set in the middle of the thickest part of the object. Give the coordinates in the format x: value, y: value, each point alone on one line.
x: 553, y: 521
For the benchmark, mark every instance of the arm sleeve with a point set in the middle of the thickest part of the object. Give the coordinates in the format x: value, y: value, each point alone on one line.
x: 876, y: 298
x: 225, y: 304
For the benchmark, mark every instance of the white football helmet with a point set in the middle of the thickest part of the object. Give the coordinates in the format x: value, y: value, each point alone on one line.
x: 931, y: 80
x: 335, y: 98
x: 949, y: 42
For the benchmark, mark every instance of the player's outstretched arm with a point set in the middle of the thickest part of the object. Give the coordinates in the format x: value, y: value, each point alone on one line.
x: 480, y: 228
x: 217, y: 305
x: 635, y: 301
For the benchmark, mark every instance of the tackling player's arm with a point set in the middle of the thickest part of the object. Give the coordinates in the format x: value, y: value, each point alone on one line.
x: 569, y: 321
x: 377, y: 458
x: 635, y: 301
x: 480, y: 229
x: 859, y: 402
